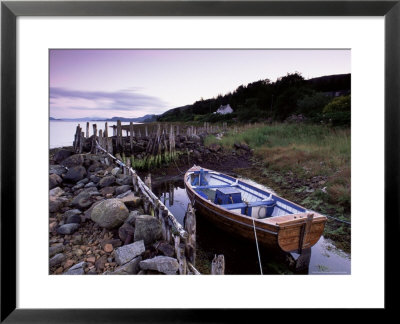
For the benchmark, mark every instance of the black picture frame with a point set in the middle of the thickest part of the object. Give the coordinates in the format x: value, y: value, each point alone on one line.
x: 10, y: 10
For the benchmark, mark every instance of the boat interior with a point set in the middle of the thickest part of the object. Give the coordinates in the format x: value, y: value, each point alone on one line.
x: 238, y: 196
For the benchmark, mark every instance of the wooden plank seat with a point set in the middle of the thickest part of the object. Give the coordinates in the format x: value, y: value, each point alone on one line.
x: 244, y: 205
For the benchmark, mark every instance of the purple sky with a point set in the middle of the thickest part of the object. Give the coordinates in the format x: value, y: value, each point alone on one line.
x: 133, y: 83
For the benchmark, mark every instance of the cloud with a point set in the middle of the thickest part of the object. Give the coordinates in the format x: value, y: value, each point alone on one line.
x: 102, y: 101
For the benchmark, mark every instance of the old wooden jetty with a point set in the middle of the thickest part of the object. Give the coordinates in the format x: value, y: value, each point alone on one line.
x: 143, y: 140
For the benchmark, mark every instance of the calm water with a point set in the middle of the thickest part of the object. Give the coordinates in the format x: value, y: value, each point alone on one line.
x: 62, y: 132
x: 241, y: 255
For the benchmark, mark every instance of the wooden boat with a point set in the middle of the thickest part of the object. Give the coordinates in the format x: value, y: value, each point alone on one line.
x: 240, y: 208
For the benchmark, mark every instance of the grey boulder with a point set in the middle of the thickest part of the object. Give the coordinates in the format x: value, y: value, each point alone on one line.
x: 109, y: 213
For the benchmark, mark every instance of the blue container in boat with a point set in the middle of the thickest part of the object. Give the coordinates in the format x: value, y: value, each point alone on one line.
x: 229, y: 195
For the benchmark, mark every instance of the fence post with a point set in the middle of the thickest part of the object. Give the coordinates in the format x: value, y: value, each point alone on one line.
x: 190, y: 228
x: 218, y: 265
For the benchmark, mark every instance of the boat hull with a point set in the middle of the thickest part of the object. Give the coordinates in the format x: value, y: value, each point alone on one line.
x: 290, y: 234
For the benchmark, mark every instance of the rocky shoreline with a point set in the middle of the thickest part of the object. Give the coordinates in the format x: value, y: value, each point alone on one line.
x: 97, y: 224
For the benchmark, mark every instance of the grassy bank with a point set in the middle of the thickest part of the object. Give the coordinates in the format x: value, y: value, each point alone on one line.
x: 309, y: 164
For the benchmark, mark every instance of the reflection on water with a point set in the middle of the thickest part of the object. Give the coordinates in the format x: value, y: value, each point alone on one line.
x: 241, y: 255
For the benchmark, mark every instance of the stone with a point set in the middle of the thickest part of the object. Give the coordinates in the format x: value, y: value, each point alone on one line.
x: 94, y: 178
x: 122, y: 195
x: 82, y: 200
x: 126, y: 253
x: 75, y: 174
x: 129, y: 268
x: 215, y: 147
x: 77, y: 269
x: 132, y: 217
x: 130, y: 200
x: 54, y: 180
x: 57, y: 169
x: 73, y: 160
x: 122, y: 189
x: 91, y: 259
x: 109, y: 213
x: 148, y: 229
x: 78, y: 252
x: 61, y: 155
x: 83, y: 181
x: 108, y: 248
x: 116, y: 171
x: 245, y: 147
x: 195, y: 138
x: 90, y: 184
x: 58, y: 248
x: 55, y: 205
x: 70, y: 213
x: 67, y: 229
x: 56, y: 260
x: 68, y: 264
x: 107, y: 181
x: 100, y: 263
x: 77, y: 239
x: 88, y: 212
x: 162, y: 264
x: 107, y: 191
x: 114, y: 242
x: 165, y: 248
x: 78, y: 186
x: 73, y: 219
x: 124, y: 180
x: 56, y: 192
x: 52, y: 226
x: 126, y: 230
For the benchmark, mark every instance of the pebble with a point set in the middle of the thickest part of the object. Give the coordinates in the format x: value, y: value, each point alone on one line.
x: 91, y: 259
x: 108, y: 248
x: 56, y: 260
x: 68, y: 264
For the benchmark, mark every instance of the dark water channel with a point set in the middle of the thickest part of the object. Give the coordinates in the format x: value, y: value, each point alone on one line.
x: 241, y: 255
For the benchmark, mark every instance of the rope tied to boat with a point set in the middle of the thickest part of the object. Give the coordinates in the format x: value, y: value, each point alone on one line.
x: 258, y: 250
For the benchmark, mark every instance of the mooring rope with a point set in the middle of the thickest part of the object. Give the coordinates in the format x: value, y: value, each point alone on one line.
x: 258, y: 250
x: 338, y: 220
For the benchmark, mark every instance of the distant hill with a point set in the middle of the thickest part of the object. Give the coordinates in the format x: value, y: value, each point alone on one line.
x: 263, y: 99
x: 143, y: 119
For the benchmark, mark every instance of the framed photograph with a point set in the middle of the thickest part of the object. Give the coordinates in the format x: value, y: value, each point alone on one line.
x: 67, y: 60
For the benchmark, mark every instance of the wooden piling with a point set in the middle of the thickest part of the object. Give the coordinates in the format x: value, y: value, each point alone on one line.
x: 87, y: 130
x: 81, y: 141
x: 190, y: 228
x: 218, y: 265
x: 147, y: 181
x: 131, y: 136
x: 94, y: 148
x: 119, y: 137
x: 105, y: 133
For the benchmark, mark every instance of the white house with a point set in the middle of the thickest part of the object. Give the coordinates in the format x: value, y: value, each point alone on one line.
x: 223, y: 110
